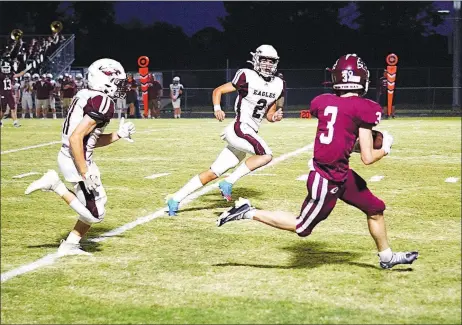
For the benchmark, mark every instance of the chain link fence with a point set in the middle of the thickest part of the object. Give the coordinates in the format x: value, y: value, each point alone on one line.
x: 418, y: 90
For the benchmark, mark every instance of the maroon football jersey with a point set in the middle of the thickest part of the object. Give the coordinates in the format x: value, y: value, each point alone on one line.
x: 339, y: 120
x: 69, y: 92
x: 43, y: 89
x: 6, y: 84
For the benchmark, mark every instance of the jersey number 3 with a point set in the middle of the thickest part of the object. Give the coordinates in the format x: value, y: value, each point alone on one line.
x: 332, y: 111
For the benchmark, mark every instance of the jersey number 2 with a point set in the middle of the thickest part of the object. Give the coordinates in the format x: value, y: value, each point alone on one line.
x: 259, y: 110
x: 332, y: 111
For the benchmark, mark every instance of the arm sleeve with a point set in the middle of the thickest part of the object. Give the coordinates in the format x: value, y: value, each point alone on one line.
x: 239, y: 79
x: 370, y: 114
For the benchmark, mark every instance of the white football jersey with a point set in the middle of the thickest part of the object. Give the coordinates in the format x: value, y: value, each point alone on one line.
x: 95, y: 104
x: 255, y: 96
x: 175, y: 89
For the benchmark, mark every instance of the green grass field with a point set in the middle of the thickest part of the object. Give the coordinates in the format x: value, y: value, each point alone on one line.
x: 186, y: 270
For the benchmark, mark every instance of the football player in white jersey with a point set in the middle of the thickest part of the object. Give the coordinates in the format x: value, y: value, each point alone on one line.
x: 80, y: 82
x: 176, y: 90
x: 53, y: 94
x: 27, y: 89
x: 259, y: 92
x: 90, y: 112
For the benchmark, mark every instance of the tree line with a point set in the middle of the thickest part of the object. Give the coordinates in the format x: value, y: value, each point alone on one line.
x: 306, y: 34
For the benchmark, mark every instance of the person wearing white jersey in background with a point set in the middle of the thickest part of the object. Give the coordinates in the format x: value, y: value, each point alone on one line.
x: 26, y: 93
x: 259, y: 93
x: 80, y: 83
x: 89, y: 113
x: 52, y: 99
x: 176, y: 90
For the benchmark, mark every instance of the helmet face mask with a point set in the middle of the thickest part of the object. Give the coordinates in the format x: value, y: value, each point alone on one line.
x: 350, y: 74
x: 265, y: 60
x: 5, y: 67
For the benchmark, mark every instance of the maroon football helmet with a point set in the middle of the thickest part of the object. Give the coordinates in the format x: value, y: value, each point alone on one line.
x: 350, y: 73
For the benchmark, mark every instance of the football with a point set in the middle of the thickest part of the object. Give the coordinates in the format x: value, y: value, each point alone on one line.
x: 377, y: 137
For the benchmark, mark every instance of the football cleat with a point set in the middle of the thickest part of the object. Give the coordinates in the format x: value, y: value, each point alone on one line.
x: 400, y: 258
x: 16, y: 125
x: 226, y: 188
x: 71, y: 249
x: 172, y: 207
x: 46, y: 183
x: 238, y: 212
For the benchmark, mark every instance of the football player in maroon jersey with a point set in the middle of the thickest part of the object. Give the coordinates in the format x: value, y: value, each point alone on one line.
x: 6, y: 91
x: 342, y: 118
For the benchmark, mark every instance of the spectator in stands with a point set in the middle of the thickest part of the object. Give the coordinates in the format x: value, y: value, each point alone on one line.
x: 154, y: 95
x: 43, y: 88
x: 67, y: 92
x: 132, y: 95
x: 26, y: 93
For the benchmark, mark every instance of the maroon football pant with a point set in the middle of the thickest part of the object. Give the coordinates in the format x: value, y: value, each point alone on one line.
x: 7, y: 100
x: 323, y: 194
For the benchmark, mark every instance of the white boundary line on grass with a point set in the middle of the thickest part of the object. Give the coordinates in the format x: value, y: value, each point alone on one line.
x: 26, y: 174
x: 31, y: 147
x: 52, y: 258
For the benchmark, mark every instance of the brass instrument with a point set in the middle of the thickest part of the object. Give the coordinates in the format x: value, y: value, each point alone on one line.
x: 56, y: 26
x: 16, y: 34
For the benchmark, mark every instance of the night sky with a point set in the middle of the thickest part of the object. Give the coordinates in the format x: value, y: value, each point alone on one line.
x: 193, y: 16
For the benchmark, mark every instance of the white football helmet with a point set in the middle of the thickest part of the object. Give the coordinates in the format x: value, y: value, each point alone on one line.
x: 50, y: 76
x: 27, y: 75
x: 176, y: 80
x: 270, y: 58
x: 44, y: 76
x: 108, y: 76
x: 61, y: 77
x: 35, y: 76
x: 78, y: 76
x: 6, y: 67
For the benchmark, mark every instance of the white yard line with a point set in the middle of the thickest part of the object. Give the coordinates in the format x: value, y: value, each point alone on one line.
x: 303, y: 177
x: 154, y: 176
x: 52, y: 258
x: 452, y: 179
x: 31, y: 147
x: 26, y: 174
x: 376, y: 178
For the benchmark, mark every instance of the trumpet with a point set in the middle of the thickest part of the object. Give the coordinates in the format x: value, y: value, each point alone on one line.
x: 56, y: 26
x: 16, y: 34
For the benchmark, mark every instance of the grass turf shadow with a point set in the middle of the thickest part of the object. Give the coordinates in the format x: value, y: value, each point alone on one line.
x: 87, y: 245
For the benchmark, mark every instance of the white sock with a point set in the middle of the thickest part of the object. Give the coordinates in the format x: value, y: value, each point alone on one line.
x: 241, y: 171
x: 82, y: 210
x: 194, y: 184
x: 73, y: 238
x: 23, y: 115
x: 250, y: 214
x: 386, y: 255
x: 15, y: 122
x: 54, y: 115
x: 31, y: 115
x: 119, y: 114
x: 60, y: 189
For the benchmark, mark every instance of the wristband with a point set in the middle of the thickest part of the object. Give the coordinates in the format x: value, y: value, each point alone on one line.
x: 217, y: 107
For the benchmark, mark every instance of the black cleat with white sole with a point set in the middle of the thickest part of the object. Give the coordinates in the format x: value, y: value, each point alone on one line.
x: 235, y: 213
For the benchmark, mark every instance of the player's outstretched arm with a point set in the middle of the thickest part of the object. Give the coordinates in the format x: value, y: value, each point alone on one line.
x: 216, y: 99
x: 125, y: 131
x: 368, y: 154
x: 274, y: 114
